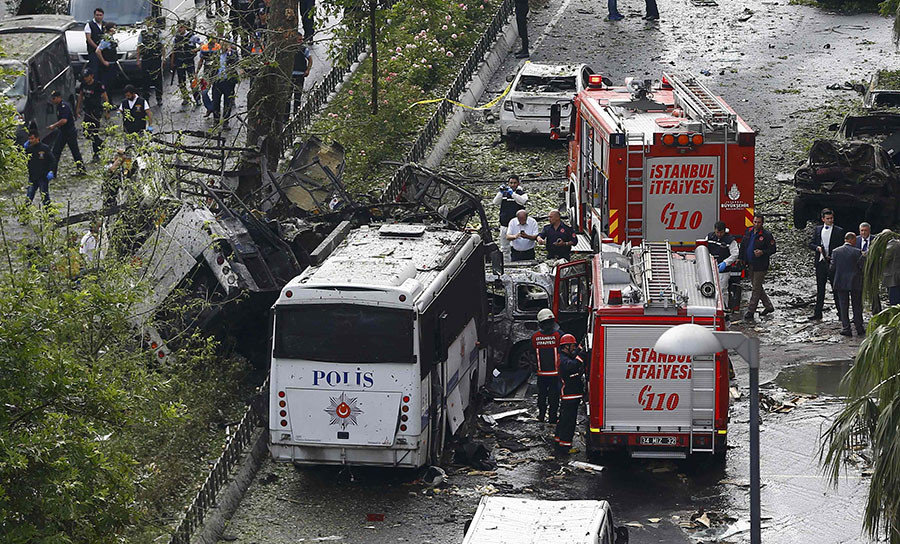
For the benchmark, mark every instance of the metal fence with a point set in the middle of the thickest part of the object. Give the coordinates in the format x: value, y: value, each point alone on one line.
x: 218, y: 477
x: 317, y: 97
x: 433, y: 127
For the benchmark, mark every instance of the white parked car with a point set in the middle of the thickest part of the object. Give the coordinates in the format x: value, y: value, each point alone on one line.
x: 526, y: 109
x: 130, y: 16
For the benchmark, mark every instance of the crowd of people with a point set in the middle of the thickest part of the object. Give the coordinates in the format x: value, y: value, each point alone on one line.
x: 208, y: 69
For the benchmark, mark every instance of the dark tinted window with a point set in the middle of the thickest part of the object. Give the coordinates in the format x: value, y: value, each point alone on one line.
x: 344, y: 333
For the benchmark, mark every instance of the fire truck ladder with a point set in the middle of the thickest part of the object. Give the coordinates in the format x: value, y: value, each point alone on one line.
x: 703, y: 383
x: 634, y: 183
x: 659, y: 285
x: 698, y: 102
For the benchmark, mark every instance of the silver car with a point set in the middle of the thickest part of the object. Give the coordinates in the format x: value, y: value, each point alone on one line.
x: 526, y: 109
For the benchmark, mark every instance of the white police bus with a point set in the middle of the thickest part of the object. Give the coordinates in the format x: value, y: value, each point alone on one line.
x: 379, y: 350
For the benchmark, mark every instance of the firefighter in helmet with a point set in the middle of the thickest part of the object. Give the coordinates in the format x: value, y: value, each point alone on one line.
x: 571, y: 377
x: 546, y: 345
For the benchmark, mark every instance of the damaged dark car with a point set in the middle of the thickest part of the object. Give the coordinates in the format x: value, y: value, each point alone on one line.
x: 857, y: 179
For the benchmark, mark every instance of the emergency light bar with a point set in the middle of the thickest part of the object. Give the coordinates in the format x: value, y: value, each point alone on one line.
x: 595, y: 81
x: 682, y: 140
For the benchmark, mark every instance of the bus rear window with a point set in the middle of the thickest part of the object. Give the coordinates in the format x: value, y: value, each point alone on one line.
x: 344, y: 333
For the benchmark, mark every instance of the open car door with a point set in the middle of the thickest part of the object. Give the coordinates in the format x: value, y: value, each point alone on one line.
x: 572, y: 297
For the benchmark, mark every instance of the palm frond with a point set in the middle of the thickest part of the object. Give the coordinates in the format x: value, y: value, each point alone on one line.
x: 872, y: 411
x: 877, y: 251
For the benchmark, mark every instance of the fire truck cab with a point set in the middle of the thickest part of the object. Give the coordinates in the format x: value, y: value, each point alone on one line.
x: 648, y: 404
x: 656, y: 161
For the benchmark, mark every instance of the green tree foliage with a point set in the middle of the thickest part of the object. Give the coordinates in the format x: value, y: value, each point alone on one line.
x: 872, y: 413
x: 98, y: 442
x: 421, y: 44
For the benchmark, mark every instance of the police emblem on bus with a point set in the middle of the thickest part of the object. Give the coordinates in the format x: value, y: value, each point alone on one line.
x: 343, y: 410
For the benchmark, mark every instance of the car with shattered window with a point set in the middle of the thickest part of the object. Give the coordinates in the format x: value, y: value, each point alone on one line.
x: 534, y: 89
x: 34, y: 66
x: 857, y: 179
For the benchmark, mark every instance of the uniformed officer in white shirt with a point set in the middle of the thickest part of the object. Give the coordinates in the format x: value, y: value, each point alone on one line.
x: 522, y: 232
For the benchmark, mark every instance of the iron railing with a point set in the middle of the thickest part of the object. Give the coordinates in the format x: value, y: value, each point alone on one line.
x: 316, y: 98
x: 217, y: 478
x: 433, y: 127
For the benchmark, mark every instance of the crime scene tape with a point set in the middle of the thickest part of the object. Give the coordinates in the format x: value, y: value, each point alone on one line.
x: 487, y: 106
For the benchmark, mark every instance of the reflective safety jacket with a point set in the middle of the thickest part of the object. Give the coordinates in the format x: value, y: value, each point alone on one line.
x: 546, y: 346
x: 571, y: 376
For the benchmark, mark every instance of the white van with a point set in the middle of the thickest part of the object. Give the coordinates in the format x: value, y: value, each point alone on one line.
x: 516, y: 520
x: 130, y: 17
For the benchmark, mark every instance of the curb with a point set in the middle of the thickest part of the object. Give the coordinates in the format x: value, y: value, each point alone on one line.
x: 229, y: 499
x: 502, y: 47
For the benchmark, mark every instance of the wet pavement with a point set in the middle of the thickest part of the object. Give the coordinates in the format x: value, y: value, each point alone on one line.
x: 771, y: 61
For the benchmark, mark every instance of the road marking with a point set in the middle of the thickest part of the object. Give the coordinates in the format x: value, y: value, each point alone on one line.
x: 555, y: 19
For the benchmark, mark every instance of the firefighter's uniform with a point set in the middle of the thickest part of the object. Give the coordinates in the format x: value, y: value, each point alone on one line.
x: 546, y: 346
x: 571, y: 376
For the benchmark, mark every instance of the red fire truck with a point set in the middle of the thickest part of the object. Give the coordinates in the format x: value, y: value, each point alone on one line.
x: 649, y: 404
x: 656, y: 161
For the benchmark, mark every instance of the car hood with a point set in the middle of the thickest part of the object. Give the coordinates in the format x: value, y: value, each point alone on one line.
x: 127, y: 38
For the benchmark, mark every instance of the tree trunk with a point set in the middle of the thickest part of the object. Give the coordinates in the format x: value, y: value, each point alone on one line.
x: 269, y: 98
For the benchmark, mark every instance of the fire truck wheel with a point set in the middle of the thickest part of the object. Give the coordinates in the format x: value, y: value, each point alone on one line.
x: 522, y: 356
x: 800, y: 213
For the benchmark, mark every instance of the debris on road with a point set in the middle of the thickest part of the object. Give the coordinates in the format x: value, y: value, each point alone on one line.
x: 492, y: 419
x: 781, y: 402
x: 434, y: 476
x: 589, y: 467
x: 474, y: 454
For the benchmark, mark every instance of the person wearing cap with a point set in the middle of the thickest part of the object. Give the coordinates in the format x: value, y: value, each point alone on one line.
x: 41, y: 164
x: 91, y: 100
x: 571, y: 378
x: 522, y: 232
x: 68, y: 134
x: 546, y: 346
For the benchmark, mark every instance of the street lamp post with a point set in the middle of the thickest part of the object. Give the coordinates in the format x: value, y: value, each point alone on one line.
x: 694, y: 340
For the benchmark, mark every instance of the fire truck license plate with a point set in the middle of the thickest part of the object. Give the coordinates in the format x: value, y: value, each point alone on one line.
x: 657, y: 441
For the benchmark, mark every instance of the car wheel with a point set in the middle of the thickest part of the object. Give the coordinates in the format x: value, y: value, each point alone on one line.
x: 522, y: 355
x: 799, y: 213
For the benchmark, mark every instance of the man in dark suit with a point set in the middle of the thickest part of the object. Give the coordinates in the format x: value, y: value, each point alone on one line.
x: 846, y: 266
x: 825, y: 239
x: 757, y: 246
x: 864, y: 240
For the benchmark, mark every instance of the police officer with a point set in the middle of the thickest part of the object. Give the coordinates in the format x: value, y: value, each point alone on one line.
x: 546, y: 345
x: 302, y: 65
x: 150, y: 59
x: 68, y: 134
x: 571, y: 377
x: 184, y: 50
x: 511, y: 198
x: 41, y: 165
x: 91, y: 99
x: 108, y: 55
x: 136, y: 115
x: 724, y: 248
x: 522, y: 27
x: 93, y: 32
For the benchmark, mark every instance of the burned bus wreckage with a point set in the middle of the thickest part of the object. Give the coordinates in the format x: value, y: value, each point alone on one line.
x: 219, y: 244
